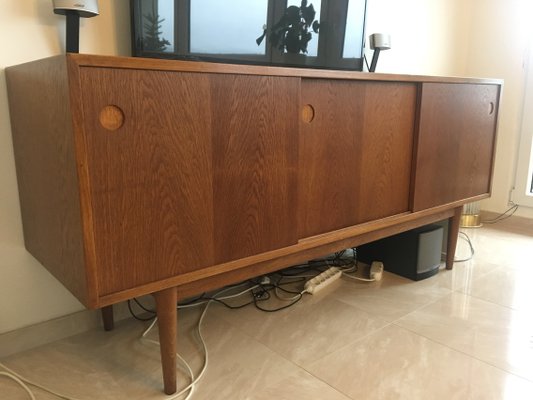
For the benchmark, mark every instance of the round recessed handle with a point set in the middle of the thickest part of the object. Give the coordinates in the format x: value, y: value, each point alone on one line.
x: 491, y: 108
x: 308, y: 113
x: 111, y: 118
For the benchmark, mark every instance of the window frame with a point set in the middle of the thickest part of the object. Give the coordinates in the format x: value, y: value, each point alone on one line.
x: 329, y: 53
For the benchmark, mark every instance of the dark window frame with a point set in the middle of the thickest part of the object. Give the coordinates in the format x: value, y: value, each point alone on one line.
x: 329, y: 53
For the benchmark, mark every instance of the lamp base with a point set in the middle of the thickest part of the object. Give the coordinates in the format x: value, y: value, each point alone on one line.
x: 470, y: 221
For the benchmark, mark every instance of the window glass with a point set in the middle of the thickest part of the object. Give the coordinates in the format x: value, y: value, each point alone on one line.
x: 353, y: 37
x: 158, y: 31
x: 227, y: 27
x: 312, y: 46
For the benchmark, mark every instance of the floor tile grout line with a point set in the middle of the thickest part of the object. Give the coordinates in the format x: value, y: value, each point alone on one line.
x: 386, y: 323
x: 463, y: 353
x: 520, y: 311
x: 303, y: 367
x: 328, y: 384
x: 423, y: 306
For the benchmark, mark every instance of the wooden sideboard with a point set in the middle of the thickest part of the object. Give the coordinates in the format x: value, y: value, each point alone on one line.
x: 141, y: 176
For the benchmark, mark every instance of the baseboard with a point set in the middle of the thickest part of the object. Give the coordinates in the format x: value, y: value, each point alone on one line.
x: 59, y: 328
x: 46, y: 332
x: 517, y: 224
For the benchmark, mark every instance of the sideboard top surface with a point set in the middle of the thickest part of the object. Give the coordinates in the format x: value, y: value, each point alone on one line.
x: 89, y: 60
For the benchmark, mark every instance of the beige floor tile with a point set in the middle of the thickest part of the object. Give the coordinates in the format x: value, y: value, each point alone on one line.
x: 302, y: 386
x: 307, y: 331
x: 502, y: 247
x: 117, y: 365
x: 510, y: 287
x: 96, y: 365
x: 397, y: 364
x: 11, y: 391
x: 392, y: 298
x: 239, y: 366
x: 492, y: 333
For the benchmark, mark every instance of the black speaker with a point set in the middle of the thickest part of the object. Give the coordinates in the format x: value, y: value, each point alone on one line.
x: 415, y: 254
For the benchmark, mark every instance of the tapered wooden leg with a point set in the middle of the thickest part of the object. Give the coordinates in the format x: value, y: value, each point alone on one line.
x: 167, y: 318
x: 453, y: 234
x: 107, y: 318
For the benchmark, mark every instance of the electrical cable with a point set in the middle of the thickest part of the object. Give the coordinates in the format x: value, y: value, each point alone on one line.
x: 277, y: 288
x: 357, y: 278
x: 283, y: 298
x: 20, y: 382
x: 366, y: 62
x: 472, y: 251
x: 190, y: 387
x: 257, y: 296
x: 136, y: 316
x: 143, y: 307
x: 353, y: 268
x: 205, y: 300
x: 256, y: 303
x: 23, y: 382
x: 503, y: 215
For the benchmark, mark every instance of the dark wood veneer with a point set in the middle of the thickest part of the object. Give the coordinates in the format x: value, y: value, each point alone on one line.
x: 455, y: 144
x: 355, y: 156
x: 150, y: 180
x: 255, y: 142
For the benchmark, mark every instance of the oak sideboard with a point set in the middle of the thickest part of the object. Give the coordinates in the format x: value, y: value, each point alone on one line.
x: 141, y: 176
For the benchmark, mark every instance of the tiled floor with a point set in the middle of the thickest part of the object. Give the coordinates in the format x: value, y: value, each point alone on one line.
x: 462, y: 334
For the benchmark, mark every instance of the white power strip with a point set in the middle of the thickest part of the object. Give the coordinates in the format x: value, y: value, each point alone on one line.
x: 319, y: 282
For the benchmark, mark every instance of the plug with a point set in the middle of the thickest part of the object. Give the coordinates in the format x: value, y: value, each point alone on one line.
x: 265, y: 280
x: 376, y: 270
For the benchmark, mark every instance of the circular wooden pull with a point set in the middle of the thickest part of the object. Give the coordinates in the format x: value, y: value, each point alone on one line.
x: 308, y: 113
x: 111, y: 118
x: 491, y: 108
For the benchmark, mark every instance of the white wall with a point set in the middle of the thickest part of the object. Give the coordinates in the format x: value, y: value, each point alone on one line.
x: 499, y: 37
x: 29, y: 30
x: 426, y: 36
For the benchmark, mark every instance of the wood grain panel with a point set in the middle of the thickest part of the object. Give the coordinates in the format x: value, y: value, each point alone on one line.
x: 355, y: 156
x: 456, y: 143
x: 150, y: 179
x: 239, y: 69
x: 43, y: 142
x: 255, y: 143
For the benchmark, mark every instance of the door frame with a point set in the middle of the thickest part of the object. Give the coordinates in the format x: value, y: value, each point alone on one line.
x: 522, y: 193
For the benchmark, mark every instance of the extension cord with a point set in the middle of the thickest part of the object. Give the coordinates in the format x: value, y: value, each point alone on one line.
x: 323, y: 280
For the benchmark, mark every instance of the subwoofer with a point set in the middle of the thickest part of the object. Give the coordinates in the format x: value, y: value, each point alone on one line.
x: 415, y: 254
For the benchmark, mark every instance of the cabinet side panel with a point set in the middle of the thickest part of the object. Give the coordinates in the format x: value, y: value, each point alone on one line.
x: 455, y: 144
x: 255, y: 142
x: 46, y: 170
x: 150, y: 175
